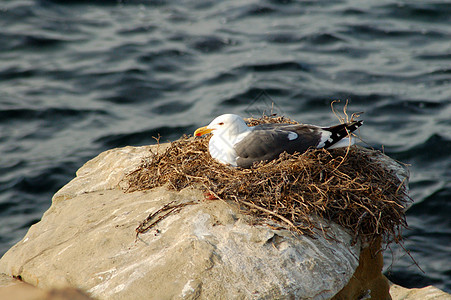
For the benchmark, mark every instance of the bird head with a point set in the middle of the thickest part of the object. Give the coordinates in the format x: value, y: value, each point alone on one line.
x: 229, y: 124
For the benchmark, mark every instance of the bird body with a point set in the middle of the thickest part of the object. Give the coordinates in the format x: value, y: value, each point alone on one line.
x: 236, y: 144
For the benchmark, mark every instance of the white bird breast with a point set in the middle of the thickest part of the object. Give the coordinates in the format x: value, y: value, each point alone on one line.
x: 221, y: 147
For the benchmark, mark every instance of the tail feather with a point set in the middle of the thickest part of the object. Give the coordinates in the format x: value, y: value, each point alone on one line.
x: 339, y: 133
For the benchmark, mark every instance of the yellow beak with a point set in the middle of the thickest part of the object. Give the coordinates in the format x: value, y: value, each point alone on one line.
x: 202, y: 131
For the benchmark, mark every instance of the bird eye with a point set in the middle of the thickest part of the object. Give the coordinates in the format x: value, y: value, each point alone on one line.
x: 222, y: 123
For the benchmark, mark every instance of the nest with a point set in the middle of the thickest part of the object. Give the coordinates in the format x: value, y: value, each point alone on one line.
x: 346, y: 186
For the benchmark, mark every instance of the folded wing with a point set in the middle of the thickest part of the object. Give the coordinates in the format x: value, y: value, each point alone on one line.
x: 268, y: 141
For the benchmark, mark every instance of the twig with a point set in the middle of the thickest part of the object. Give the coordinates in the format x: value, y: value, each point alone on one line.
x: 271, y: 213
x: 148, y: 223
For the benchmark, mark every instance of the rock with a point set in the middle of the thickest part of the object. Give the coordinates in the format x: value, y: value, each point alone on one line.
x: 368, y: 282
x: 427, y: 293
x: 105, y: 171
x: 11, y: 288
x: 207, y: 250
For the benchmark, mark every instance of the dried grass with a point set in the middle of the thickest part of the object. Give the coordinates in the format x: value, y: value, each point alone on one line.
x: 343, y: 185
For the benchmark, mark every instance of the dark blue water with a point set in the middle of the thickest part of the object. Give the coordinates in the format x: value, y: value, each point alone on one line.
x: 81, y: 77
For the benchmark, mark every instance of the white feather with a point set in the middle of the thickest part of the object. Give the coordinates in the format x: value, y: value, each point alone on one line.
x: 343, y: 143
x: 292, y: 136
x: 325, y: 137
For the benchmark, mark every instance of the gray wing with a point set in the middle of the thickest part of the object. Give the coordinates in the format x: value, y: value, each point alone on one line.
x: 268, y: 141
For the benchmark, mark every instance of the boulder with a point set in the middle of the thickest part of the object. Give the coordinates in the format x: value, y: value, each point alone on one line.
x: 11, y: 288
x: 427, y: 293
x: 206, y: 250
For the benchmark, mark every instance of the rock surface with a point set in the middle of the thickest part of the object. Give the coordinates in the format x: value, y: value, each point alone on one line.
x: 368, y: 282
x: 13, y: 289
x: 205, y: 251
x: 208, y: 250
x: 427, y: 293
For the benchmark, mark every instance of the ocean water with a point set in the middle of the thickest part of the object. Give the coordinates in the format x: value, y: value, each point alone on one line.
x: 81, y: 77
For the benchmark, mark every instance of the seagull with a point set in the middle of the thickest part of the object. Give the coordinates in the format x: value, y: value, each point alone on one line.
x: 236, y: 144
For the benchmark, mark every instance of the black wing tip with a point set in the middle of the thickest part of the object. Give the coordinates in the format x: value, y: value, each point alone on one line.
x: 351, y: 126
